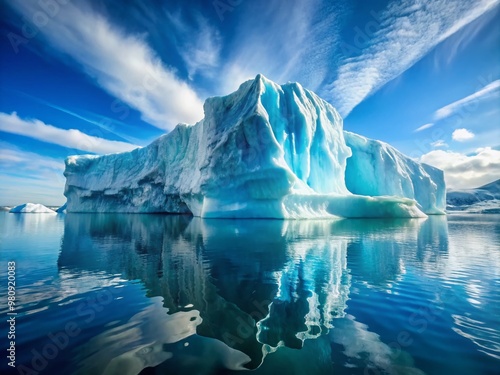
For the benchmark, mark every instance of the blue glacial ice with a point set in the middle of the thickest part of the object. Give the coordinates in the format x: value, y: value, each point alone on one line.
x: 264, y: 151
x: 376, y: 169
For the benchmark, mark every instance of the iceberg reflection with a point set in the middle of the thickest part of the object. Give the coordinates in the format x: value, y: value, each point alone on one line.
x: 227, y: 293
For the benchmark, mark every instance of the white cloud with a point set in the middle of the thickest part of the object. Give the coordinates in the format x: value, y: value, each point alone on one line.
x: 198, y: 44
x: 17, y: 190
x: 466, y: 171
x: 122, y: 64
x: 12, y: 157
x: 288, y: 41
x: 439, y: 143
x: 102, y: 123
x: 486, y: 92
x: 450, y: 49
x: 408, y: 31
x: 42, y: 177
x: 71, y: 138
x: 423, y: 127
x: 462, y: 135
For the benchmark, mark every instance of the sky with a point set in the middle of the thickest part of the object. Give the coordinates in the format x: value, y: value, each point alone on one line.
x: 96, y: 77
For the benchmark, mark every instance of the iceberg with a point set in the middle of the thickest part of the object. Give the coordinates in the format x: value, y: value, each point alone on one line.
x: 376, y: 169
x: 264, y: 151
x: 31, y: 208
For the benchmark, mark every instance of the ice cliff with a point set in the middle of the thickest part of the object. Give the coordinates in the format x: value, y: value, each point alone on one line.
x: 376, y: 168
x: 264, y: 151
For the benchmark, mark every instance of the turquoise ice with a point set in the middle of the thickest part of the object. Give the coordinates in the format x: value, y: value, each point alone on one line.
x: 264, y: 151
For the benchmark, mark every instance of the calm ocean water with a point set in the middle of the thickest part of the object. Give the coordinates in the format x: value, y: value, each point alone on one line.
x: 152, y: 294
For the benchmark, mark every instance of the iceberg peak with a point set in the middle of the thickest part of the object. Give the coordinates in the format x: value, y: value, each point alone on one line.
x: 263, y: 151
x: 31, y: 208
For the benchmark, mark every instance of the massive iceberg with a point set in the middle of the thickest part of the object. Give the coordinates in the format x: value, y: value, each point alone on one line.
x: 264, y: 151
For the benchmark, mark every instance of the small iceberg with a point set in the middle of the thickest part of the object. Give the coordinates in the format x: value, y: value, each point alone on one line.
x: 31, y: 208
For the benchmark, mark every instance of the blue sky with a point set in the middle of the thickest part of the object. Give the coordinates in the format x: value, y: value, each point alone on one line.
x: 81, y: 77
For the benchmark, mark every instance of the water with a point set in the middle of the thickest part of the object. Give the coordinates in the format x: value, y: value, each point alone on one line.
x: 151, y: 294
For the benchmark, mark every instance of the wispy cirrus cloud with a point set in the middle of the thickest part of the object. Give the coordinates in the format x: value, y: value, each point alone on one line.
x: 425, y: 126
x: 71, y: 138
x: 42, y: 189
x: 439, y: 143
x: 102, y: 122
x: 288, y: 41
x: 121, y: 63
x: 408, y: 31
x: 490, y: 90
x: 28, y: 176
x: 119, y: 129
x: 198, y: 43
x: 487, y: 92
x: 11, y: 156
x: 451, y: 48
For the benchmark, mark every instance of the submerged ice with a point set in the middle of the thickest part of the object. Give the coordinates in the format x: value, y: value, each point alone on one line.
x: 264, y: 151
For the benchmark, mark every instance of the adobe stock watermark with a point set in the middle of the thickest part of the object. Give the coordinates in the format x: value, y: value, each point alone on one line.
x: 121, y: 109
x: 362, y: 36
x: 223, y: 6
x: 58, y: 341
x: 419, y: 320
x: 246, y: 328
x: 96, y: 138
x: 47, y: 10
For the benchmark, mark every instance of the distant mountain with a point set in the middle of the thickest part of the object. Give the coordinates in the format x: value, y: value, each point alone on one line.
x: 484, y: 199
x: 492, y: 187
